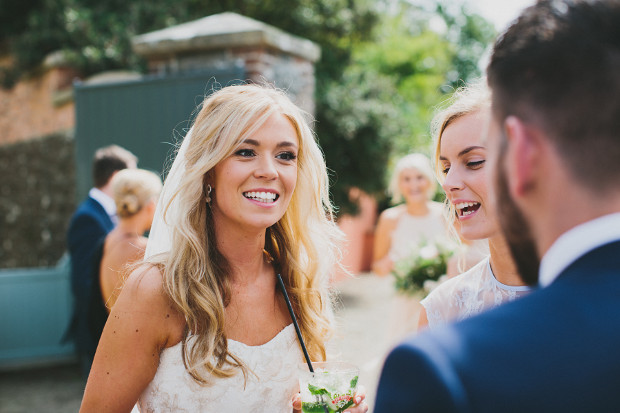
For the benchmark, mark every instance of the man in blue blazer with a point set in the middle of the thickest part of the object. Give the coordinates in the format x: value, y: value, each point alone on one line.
x: 554, y: 148
x: 91, y: 222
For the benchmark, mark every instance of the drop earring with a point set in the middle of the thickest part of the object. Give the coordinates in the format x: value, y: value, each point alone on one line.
x: 208, y: 197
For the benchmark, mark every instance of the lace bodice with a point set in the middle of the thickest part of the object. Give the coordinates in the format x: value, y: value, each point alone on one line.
x: 411, y: 230
x: 468, y: 294
x: 270, y: 388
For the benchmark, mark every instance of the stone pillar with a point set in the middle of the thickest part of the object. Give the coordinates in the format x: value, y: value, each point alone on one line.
x: 267, y: 54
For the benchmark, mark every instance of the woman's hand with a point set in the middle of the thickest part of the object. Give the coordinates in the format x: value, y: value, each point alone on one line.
x: 359, y: 398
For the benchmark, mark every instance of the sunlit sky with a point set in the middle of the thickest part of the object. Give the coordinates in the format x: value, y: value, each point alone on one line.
x: 499, y: 12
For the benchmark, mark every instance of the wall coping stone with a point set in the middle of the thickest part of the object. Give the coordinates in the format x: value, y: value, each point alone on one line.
x: 220, y: 31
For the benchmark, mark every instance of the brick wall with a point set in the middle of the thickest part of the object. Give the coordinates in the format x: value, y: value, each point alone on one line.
x: 37, y: 106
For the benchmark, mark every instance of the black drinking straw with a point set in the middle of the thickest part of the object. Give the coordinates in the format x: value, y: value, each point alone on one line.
x: 290, y: 310
x: 301, y: 340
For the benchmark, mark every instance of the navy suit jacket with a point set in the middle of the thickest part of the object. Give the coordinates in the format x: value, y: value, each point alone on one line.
x: 554, y: 350
x: 89, y: 225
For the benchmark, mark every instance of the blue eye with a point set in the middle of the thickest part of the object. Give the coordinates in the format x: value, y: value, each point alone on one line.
x: 246, y: 153
x: 287, y: 156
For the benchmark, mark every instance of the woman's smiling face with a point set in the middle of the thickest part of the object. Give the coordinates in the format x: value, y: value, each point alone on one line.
x: 462, y: 158
x: 414, y: 186
x: 252, y: 188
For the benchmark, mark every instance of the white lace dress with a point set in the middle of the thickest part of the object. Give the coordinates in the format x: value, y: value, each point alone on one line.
x: 269, y: 389
x: 468, y: 294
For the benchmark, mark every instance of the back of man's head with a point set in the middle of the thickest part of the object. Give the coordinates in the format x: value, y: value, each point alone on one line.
x: 558, y: 66
x: 109, y: 160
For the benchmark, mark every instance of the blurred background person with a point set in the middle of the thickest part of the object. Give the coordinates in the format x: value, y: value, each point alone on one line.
x: 460, y: 161
x: 93, y: 219
x: 135, y: 194
x: 403, y: 228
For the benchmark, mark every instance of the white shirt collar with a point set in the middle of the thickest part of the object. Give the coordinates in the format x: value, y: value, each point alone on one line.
x: 106, y: 201
x: 576, y: 242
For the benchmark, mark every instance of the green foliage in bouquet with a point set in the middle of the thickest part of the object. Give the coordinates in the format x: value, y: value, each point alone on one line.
x: 426, y: 263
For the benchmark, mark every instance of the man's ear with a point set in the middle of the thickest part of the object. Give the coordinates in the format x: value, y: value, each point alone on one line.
x: 523, y: 156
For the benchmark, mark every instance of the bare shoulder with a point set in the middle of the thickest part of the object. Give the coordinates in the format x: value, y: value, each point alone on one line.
x: 133, y: 249
x: 141, y: 324
x: 138, y: 244
x: 145, y: 300
x: 391, y: 215
x: 146, y: 282
x: 394, y: 212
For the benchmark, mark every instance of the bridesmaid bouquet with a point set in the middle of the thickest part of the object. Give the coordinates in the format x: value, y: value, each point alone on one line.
x: 421, y: 271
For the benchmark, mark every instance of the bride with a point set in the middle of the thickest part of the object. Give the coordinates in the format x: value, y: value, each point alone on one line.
x: 201, y: 325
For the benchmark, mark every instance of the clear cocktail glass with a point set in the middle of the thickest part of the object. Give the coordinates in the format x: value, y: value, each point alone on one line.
x: 330, y: 388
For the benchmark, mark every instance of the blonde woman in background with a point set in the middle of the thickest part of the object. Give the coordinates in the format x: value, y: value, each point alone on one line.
x: 202, y: 326
x: 402, y: 228
x: 135, y: 193
x: 460, y: 160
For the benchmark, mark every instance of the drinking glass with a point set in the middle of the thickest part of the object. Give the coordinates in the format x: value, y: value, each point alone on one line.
x: 332, y: 385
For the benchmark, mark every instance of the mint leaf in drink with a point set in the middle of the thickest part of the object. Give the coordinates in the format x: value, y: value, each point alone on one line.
x: 315, y: 390
x: 354, y: 382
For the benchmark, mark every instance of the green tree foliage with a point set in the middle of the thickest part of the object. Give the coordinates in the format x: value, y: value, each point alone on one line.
x: 14, y: 16
x: 417, y: 65
x: 471, y: 33
x: 357, y: 119
x: 426, y: 50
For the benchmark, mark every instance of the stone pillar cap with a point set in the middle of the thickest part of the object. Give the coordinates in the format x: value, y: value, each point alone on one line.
x: 220, y: 31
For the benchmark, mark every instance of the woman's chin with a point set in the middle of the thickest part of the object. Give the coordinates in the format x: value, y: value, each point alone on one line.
x: 416, y: 200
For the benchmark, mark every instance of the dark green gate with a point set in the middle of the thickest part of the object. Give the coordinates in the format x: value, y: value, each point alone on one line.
x: 145, y: 116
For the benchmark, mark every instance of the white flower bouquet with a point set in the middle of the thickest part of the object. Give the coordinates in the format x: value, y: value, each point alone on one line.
x: 423, y: 269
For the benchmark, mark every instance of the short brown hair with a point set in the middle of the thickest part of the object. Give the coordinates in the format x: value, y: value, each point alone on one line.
x: 108, y: 160
x: 558, y: 66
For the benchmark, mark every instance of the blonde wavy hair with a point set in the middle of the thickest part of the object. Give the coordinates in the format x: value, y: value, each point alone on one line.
x: 132, y: 189
x: 304, y: 242
x: 465, y: 100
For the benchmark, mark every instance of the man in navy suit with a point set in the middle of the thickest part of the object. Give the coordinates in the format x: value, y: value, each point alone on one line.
x: 554, y: 147
x: 91, y: 222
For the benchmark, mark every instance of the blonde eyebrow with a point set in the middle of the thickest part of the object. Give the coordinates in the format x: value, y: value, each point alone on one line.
x: 464, y: 152
x: 283, y: 144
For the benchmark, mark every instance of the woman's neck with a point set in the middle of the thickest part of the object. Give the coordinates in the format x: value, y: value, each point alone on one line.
x: 502, y: 264
x: 244, y: 254
x: 417, y: 208
x: 130, y: 226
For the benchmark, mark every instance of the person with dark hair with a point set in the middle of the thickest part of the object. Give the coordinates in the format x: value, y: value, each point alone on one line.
x: 553, y: 150
x: 91, y: 222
